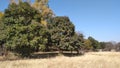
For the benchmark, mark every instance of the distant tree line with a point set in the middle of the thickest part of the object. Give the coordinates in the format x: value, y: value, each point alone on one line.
x: 26, y: 28
x: 109, y: 46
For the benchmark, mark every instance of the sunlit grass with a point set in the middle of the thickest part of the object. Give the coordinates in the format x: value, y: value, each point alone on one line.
x: 89, y: 60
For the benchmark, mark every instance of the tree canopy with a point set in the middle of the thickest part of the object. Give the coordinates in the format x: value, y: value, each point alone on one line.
x: 24, y: 32
x: 26, y: 28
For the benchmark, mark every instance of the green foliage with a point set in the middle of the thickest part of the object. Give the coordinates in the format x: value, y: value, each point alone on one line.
x: 2, y: 31
x: 26, y: 28
x: 63, y: 34
x: 88, y: 44
x: 76, y: 42
x: 24, y: 34
x: 102, y: 45
x: 1, y: 15
x: 42, y: 6
x: 61, y: 29
x: 94, y: 43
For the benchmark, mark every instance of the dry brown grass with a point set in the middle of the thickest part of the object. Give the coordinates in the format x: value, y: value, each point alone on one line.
x: 89, y: 60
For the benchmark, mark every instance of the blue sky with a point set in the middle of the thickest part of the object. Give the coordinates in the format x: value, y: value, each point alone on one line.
x: 97, y: 18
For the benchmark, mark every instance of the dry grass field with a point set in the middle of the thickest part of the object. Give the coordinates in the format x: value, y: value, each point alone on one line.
x: 89, y: 60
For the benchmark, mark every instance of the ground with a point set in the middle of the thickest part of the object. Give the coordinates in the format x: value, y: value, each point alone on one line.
x: 89, y: 60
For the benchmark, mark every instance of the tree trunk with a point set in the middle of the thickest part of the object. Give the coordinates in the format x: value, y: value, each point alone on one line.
x: 71, y: 52
x: 77, y: 51
x: 5, y: 52
x: 60, y: 51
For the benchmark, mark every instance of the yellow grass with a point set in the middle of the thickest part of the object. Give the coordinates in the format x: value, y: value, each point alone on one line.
x: 89, y: 60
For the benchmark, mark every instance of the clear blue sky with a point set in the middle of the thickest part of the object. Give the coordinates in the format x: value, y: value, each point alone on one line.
x: 97, y: 18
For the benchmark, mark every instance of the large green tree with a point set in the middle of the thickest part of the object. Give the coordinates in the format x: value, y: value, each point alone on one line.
x: 63, y: 35
x: 23, y: 31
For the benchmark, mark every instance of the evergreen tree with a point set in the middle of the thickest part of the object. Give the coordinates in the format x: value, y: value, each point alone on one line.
x: 61, y: 30
x: 23, y: 32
